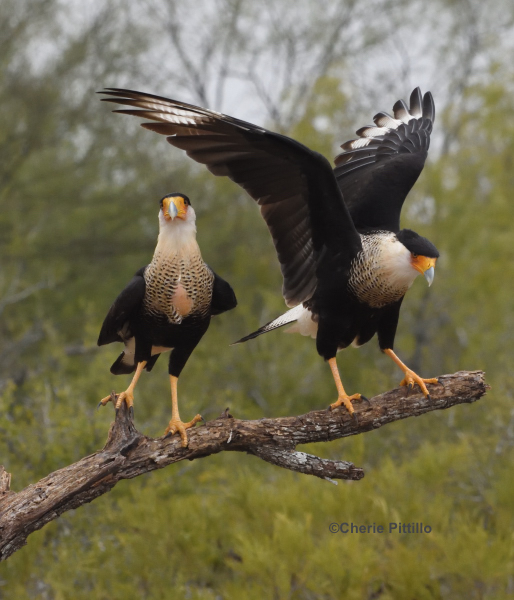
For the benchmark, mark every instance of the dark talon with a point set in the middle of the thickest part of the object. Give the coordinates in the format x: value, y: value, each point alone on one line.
x: 131, y: 412
x: 428, y: 398
x: 169, y: 434
x: 116, y: 411
x: 99, y: 404
x: 411, y: 386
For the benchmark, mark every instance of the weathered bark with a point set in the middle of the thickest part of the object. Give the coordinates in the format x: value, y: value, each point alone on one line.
x: 128, y: 453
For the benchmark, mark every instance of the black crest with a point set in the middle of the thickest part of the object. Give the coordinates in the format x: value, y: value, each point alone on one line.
x: 417, y: 244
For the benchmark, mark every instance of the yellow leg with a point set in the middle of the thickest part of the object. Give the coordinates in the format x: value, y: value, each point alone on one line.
x: 410, y: 378
x: 128, y: 395
x: 176, y: 424
x: 343, y: 397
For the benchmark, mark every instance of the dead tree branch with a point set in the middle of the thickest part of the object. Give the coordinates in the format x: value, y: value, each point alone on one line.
x: 128, y: 453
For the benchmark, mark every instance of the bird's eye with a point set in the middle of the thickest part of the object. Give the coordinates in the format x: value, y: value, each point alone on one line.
x: 414, y: 256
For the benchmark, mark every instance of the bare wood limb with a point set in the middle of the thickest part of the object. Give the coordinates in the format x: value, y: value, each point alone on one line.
x: 128, y: 453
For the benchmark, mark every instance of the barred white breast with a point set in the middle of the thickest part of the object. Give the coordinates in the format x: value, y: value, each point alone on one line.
x: 382, y: 272
x: 178, y: 286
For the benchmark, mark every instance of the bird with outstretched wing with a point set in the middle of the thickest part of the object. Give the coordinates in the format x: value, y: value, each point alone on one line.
x: 346, y: 264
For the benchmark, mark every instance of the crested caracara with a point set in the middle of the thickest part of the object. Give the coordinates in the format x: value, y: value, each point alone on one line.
x: 167, y: 306
x: 346, y: 264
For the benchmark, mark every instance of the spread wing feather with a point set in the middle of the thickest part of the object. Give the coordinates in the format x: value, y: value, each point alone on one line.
x: 294, y: 186
x: 376, y: 171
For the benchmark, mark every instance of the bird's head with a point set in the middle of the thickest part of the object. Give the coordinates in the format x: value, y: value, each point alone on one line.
x: 423, y: 254
x: 177, y: 224
x: 175, y: 206
x: 177, y: 216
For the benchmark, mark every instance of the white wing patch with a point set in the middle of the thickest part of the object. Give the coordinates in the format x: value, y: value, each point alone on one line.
x: 304, y: 325
x: 384, y: 123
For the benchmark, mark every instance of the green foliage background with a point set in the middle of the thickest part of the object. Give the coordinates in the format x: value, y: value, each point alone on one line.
x: 79, y: 191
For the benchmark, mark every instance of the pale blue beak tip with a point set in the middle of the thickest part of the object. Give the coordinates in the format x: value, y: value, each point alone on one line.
x: 172, y: 210
x: 429, y: 275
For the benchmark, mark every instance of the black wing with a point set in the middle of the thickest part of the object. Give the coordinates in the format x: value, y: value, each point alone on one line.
x: 223, y: 296
x: 376, y: 171
x: 122, y: 308
x: 294, y: 186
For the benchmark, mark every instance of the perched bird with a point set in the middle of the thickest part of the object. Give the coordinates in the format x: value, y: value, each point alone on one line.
x: 346, y: 264
x: 166, y: 306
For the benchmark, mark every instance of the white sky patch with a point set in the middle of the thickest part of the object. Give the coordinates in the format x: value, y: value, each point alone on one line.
x: 277, y: 47
x: 322, y: 123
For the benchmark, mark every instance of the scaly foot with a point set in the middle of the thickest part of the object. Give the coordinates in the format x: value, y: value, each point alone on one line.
x: 412, y: 378
x: 127, y: 396
x: 177, y: 425
x: 347, y: 401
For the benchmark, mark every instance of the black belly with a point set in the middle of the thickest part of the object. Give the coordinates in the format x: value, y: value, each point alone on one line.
x: 342, y: 317
x: 155, y: 330
x: 341, y: 323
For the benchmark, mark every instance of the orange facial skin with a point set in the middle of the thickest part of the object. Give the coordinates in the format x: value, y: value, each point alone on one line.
x: 422, y: 263
x: 174, y: 207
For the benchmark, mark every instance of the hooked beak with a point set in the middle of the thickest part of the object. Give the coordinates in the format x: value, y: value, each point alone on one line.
x: 429, y: 275
x: 174, y: 207
x: 172, y: 211
x: 425, y: 266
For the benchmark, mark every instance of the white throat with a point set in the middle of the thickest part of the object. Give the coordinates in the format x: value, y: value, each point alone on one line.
x: 395, y: 264
x: 177, y: 236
